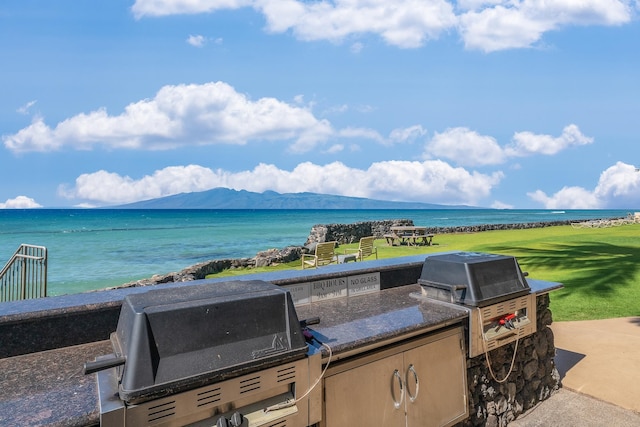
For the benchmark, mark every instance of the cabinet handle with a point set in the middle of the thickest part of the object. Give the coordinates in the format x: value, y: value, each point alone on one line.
x: 397, y: 403
x: 412, y: 369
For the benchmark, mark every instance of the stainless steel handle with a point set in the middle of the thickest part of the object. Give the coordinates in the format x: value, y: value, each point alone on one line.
x: 397, y: 403
x: 413, y: 397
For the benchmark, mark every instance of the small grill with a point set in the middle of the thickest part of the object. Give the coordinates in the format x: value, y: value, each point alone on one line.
x: 218, y: 352
x: 492, y: 287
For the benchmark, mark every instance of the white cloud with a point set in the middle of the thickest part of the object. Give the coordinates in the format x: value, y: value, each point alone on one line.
x: 20, y: 202
x: 526, y: 143
x: 26, y: 107
x: 619, y: 185
x: 111, y: 188
x: 428, y: 181
x: 402, y: 23
x: 487, y: 25
x: 177, y: 7
x: 499, y: 205
x: 567, y: 198
x: 409, y: 134
x: 356, y: 47
x: 468, y: 148
x: 197, y: 41
x: 364, y: 133
x: 336, y: 148
x: 336, y: 109
x: 617, y: 188
x: 497, y: 25
x: 465, y: 147
x: 182, y: 115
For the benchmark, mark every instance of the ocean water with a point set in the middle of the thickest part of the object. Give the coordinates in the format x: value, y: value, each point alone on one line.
x: 92, y: 249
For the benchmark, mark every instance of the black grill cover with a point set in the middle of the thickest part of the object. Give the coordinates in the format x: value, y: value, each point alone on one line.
x: 182, y: 338
x: 472, y: 278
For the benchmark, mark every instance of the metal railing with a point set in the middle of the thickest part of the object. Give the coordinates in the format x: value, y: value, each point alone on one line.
x: 25, y: 275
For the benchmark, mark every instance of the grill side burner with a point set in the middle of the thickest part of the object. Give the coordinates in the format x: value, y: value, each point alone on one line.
x: 491, y: 287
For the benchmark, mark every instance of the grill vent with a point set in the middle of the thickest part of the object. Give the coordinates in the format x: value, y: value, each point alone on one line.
x: 208, y: 397
x: 281, y: 423
x: 286, y: 374
x: 250, y: 384
x: 158, y: 413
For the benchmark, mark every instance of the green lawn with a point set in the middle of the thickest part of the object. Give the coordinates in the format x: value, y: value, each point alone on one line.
x: 600, y: 268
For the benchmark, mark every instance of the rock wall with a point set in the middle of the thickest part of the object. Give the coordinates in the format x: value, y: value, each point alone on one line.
x: 349, y: 233
x: 534, y: 377
x: 203, y: 269
x: 342, y: 233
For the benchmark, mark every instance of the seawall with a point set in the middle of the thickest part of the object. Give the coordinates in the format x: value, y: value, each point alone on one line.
x: 341, y: 233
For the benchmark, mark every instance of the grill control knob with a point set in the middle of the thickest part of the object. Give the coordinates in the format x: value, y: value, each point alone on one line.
x: 222, y: 422
x: 237, y: 419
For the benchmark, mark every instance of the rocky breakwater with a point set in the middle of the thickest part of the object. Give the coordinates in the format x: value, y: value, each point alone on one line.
x: 341, y: 233
x: 203, y: 269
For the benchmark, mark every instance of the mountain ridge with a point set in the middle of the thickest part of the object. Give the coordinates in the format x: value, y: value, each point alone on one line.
x: 225, y: 198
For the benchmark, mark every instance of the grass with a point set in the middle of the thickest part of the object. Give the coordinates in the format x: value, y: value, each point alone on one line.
x: 600, y: 268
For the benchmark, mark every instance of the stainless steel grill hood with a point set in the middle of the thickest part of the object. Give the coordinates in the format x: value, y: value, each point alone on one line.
x: 472, y: 278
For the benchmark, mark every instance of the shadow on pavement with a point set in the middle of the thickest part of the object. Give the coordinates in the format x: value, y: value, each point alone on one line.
x: 565, y: 360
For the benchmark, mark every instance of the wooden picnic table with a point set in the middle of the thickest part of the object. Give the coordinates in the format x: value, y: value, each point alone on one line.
x: 409, y: 234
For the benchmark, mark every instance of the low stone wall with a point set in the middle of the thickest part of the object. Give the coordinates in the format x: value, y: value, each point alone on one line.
x: 533, y: 379
x: 341, y: 233
x: 349, y: 233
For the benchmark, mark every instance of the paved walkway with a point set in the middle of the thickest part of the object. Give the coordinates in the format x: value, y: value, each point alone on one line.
x: 599, y: 364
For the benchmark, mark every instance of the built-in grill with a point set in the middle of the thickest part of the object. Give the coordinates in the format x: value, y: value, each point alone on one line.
x: 216, y: 353
x: 492, y: 287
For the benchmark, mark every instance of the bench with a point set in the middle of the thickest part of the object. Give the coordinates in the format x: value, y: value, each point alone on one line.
x: 409, y: 238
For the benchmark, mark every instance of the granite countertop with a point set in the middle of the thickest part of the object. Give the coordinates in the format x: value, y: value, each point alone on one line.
x: 348, y: 324
x: 49, y: 388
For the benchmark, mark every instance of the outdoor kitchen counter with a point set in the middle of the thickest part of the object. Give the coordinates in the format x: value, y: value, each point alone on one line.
x: 48, y: 388
x: 355, y: 324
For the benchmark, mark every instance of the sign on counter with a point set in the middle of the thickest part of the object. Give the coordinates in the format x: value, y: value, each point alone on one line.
x: 363, y: 284
x: 341, y: 287
x: 301, y: 294
x: 328, y: 289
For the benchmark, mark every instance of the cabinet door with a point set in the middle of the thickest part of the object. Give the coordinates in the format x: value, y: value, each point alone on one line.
x: 440, y: 398
x: 368, y: 395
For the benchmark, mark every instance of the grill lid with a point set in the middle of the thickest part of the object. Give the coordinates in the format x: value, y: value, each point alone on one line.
x: 472, y: 278
x: 182, y: 338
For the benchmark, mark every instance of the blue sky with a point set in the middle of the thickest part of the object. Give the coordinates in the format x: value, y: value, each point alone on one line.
x: 505, y: 104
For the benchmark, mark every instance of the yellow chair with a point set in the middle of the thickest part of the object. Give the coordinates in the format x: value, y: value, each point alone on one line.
x: 365, y: 248
x: 324, y: 254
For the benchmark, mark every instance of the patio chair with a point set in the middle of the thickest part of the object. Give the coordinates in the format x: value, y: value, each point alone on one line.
x: 324, y: 254
x: 365, y: 248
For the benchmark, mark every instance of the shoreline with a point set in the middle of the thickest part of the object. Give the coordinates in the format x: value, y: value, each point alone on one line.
x: 342, y: 233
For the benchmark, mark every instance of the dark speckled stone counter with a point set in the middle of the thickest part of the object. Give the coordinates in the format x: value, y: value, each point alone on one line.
x: 49, y: 387
x: 350, y: 324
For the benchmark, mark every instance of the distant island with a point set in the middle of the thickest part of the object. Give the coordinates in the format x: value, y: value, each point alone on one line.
x: 225, y: 198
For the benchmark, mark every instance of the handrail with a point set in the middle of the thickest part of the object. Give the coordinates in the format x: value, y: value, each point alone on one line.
x: 25, y: 275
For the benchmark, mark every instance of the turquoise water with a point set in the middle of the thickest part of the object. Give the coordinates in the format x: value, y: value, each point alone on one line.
x: 97, y: 248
